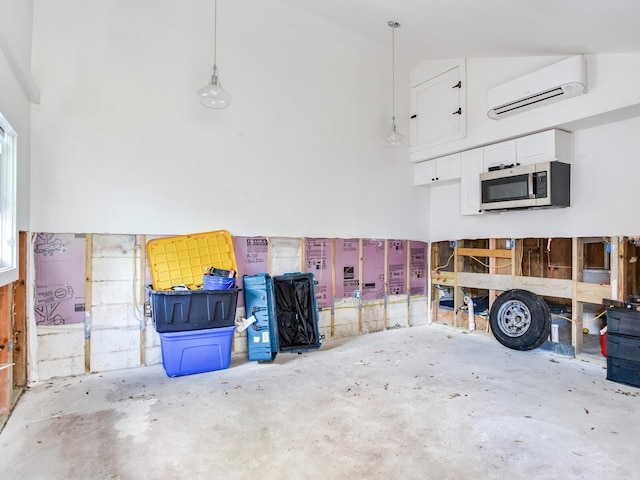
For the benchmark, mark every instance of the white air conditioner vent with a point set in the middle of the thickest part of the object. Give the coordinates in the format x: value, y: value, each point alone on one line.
x: 556, y: 82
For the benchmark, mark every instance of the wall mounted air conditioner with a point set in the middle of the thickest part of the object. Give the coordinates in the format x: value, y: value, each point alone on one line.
x: 562, y: 80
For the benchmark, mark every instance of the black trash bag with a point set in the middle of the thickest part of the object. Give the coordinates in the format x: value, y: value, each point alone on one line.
x: 294, y: 313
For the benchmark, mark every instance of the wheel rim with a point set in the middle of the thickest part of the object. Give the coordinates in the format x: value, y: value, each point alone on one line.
x: 514, y: 318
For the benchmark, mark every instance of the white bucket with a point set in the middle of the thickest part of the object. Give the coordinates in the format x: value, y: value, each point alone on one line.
x: 592, y: 324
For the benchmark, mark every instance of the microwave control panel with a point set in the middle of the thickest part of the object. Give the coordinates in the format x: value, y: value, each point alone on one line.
x: 540, y: 184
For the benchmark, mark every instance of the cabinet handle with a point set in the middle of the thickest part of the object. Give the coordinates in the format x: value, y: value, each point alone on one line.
x: 413, y: 116
x: 458, y: 85
x: 458, y: 112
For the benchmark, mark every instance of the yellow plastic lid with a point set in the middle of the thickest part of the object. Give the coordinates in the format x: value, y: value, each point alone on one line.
x: 184, y: 259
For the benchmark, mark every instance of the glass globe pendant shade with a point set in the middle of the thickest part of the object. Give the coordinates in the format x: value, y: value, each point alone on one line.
x: 394, y: 139
x: 213, y: 95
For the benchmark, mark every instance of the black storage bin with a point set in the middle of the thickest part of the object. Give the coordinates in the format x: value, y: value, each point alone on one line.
x: 623, y: 346
x: 623, y: 371
x: 623, y: 322
x: 183, y: 310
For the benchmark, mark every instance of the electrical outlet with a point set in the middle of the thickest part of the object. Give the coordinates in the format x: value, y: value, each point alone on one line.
x: 147, y: 310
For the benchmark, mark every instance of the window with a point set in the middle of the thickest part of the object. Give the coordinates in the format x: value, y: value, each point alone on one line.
x: 8, y: 223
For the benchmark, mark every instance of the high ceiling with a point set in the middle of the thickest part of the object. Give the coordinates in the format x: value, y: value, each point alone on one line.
x: 488, y: 28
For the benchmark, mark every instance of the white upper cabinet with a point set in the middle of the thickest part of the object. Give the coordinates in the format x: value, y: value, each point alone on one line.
x: 438, y: 171
x: 503, y: 153
x: 438, y: 111
x: 471, y: 166
x: 546, y: 146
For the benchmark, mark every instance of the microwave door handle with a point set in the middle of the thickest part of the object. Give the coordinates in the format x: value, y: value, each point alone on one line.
x: 530, y: 184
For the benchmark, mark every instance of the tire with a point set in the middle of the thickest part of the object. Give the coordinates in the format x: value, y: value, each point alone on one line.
x: 520, y: 320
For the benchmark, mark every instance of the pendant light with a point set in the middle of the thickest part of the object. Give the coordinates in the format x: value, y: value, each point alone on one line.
x: 213, y: 95
x: 393, y: 138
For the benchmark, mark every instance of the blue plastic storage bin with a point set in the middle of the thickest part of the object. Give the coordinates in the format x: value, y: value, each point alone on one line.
x: 214, y: 282
x: 186, y: 353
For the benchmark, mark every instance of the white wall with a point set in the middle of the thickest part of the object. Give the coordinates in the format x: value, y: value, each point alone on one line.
x: 605, y: 167
x: 612, y: 95
x: 121, y: 144
x: 15, y: 51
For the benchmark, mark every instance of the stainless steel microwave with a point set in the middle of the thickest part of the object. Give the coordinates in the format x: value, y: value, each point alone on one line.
x: 539, y: 185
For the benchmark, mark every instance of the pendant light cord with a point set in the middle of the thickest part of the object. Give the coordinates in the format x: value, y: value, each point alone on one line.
x: 393, y: 74
x: 215, y: 32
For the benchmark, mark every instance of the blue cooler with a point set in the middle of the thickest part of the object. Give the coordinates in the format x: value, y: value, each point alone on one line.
x: 286, y: 312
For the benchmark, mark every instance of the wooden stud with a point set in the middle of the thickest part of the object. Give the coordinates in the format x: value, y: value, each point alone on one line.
x: 385, y: 284
x: 622, y: 269
x: 20, y: 317
x: 458, y: 295
x: 6, y: 382
x: 87, y: 303
x: 360, y: 285
x: 577, y: 263
x: 333, y: 288
x: 434, y: 280
x: 142, y: 294
x: 408, y: 281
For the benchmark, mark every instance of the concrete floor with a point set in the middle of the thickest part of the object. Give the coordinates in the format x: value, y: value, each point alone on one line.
x: 415, y: 403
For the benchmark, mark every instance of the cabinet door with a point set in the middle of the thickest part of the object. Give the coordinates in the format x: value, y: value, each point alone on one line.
x: 437, y: 111
x: 503, y: 153
x: 448, y: 167
x: 544, y: 147
x: 437, y: 171
x: 424, y: 172
x: 471, y: 166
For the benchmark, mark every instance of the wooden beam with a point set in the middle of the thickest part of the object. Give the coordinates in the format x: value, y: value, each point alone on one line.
x: 484, y: 252
x: 592, y: 292
x: 548, y: 287
x: 485, y: 281
x: 443, y: 278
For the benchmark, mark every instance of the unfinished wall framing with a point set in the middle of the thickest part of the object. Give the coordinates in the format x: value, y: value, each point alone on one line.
x: 117, y: 334
x: 576, y: 273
